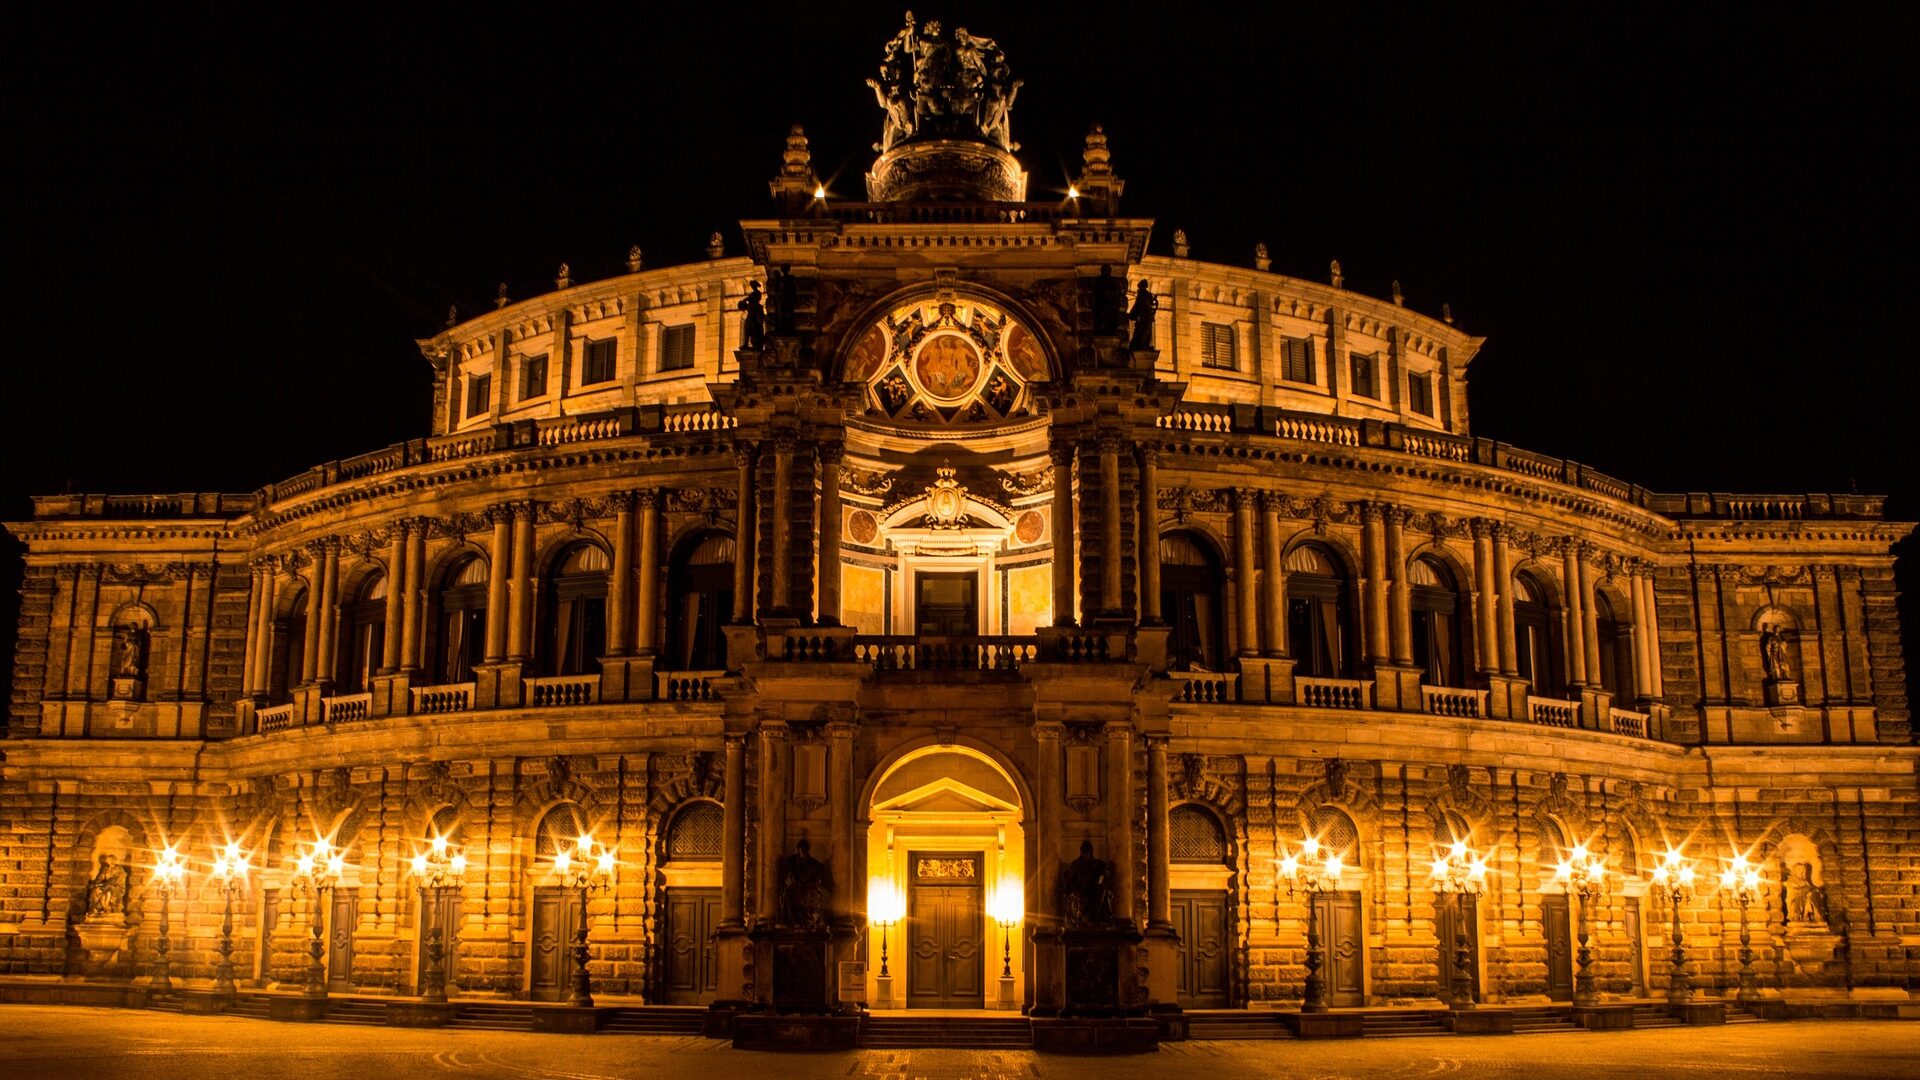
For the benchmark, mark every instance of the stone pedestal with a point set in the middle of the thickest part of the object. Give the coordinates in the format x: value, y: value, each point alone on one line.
x: 205, y: 1002
x: 425, y: 1014
x: 498, y: 686
x: 1396, y: 688
x: 1507, y: 697
x: 799, y: 964
x: 1781, y: 691
x: 300, y: 1008
x: 569, y: 1019
x: 1267, y: 679
x: 1480, y: 1022
x: 1096, y: 1035
x: 392, y: 695
x: 1699, y: 1012
x: 1596, y: 708
x: 1100, y: 971
x: 104, y: 955
x: 1150, y: 646
x: 626, y: 678
x: 1324, y: 1025
x: 770, y: 1031
x: 127, y: 688
x: 1603, y: 1017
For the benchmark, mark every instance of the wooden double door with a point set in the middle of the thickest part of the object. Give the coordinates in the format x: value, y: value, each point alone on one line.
x: 1458, y: 913
x: 440, y: 911
x: 946, y: 932
x: 1200, y: 918
x: 1556, y: 919
x: 1344, y: 972
x: 692, y: 974
x: 556, y: 919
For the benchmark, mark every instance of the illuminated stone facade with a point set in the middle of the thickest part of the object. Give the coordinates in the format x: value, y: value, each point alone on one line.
x: 947, y: 565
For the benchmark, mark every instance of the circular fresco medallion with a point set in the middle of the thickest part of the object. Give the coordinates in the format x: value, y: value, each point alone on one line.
x: 867, y: 355
x: 861, y: 527
x: 1029, y: 527
x: 1024, y: 351
x: 948, y: 367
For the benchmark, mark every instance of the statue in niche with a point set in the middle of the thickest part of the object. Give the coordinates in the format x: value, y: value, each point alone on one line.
x: 806, y: 889
x: 130, y: 652
x: 107, y: 891
x: 1145, y: 306
x: 1773, y: 655
x: 753, y: 328
x: 1806, y: 901
x: 1109, y: 302
x: 1088, y: 890
x: 782, y: 299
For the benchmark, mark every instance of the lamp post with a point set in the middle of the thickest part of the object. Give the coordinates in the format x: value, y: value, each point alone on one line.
x: 1585, y: 876
x: 885, y: 906
x: 436, y: 870
x: 1009, y: 907
x: 1743, y: 880
x: 1457, y: 874
x: 168, y: 872
x: 230, y: 871
x: 1313, y: 872
x: 1675, y: 877
x: 315, y: 873
x: 586, y: 868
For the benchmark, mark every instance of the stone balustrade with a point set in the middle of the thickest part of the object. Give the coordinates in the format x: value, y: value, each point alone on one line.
x: 275, y: 718
x: 344, y: 708
x: 1628, y: 722
x: 1553, y: 712
x: 449, y: 698
x: 1205, y: 687
x: 686, y: 685
x: 1453, y: 701
x: 1321, y: 693
x: 553, y: 690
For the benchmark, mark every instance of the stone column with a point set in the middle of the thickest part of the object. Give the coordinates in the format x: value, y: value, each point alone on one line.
x: 316, y: 618
x: 1149, y: 535
x: 782, y: 497
x: 1575, y: 613
x: 1503, y: 578
x: 1401, y: 596
x: 1120, y: 818
x: 520, y: 611
x: 620, y: 582
x: 256, y: 593
x: 733, y: 835
x: 743, y: 564
x: 328, y: 571
x: 1485, y: 608
x: 1063, y: 533
x: 396, y: 584
x: 1590, y: 622
x: 1273, y: 579
x: 646, y: 634
x: 1112, y: 603
x: 413, y: 597
x: 1656, y: 679
x: 773, y: 818
x: 830, y: 456
x: 1045, y: 869
x: 1159, y: 842
x: 1637, y: 608
x: 1374, y: 541
x: 497, y: 557
x: 1243, y: 571
x: 840, y: 812
x: 268, y: 586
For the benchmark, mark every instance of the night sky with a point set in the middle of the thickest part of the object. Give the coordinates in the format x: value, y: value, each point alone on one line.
x: 1686, y: 235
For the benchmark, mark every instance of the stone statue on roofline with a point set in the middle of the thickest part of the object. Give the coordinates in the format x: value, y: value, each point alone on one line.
x: 936, y: 84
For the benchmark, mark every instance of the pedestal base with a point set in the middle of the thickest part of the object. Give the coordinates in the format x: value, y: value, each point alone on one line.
x: 420, y: 1014
x: 770, y: 1031
x: 103, y: 949
x: 1324, y: 1025
x: 205, y: 1002
x: 718, y: 1023
x: 299, y: 1010
x: 1096, y: 1035
x: 1699, y: 1012
x: 1480, y: 1022
x: 1603, y: 1017
x: 569, y: 1019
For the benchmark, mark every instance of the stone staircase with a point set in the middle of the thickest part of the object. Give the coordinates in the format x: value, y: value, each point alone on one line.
x: 350, y: 1011
x: 1235, y: 1024
x: 1653, y: 1016
x: 492, y: 1016
x: 1536, y: 1019
x: 1739, y: 1014
x: 657, y: 1020
x: 1392, y: 1025
x: 252, y: 1006
x: 952, y: 1032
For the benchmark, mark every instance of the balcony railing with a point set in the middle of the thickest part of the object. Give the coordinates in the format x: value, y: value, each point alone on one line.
x: 1453, y: 701
x: 903, y: 652
x: 1334, y: 693
x: 1628, y: 722
x: 448, y: 698
x: 1205, y: 687
x: 563, y: 690
x: 346, y: 707
x: 686, y: 685
x: 1553, y: 712
x: 275, y: 717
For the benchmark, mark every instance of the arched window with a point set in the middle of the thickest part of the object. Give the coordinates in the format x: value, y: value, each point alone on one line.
x: 561, y: 827
x: 1457, y: 830
x: 289, y: 650
x: 1319, y: 628
x: 576, y: 607
x: 447, y: 825
x: 1534, y: 642
x: 700, y: 582
x: 1192, y: 584
x: 1336, y: 832
x: 365, y: 636
x: 463, y: 621
x: 695, y: 833
x: 1554, y: 844
x: 1195, y: 836
x: 1616, y: 647
x: 1436, y: 605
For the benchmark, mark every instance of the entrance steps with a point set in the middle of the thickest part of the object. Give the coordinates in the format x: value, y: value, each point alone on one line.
x: 1235, y: 1024
x: 657, y: 1020
x: 253, y: 1006
x: 492, y: 1016
x: 1392, y: 1025
x: 350, y: 1011
x: 1535, y: 1019
x: 950, y: 1032
x: 1740, y: 1014
x: 1653, y: 1016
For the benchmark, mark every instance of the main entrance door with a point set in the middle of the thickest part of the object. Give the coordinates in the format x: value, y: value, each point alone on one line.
x: 946, y: 933
x: 947, y: 605
x: 1346, y: 951
x: 692, y: 915
x: 441, y: 911
x: 1455, y: 913
x: 1555, y: 918
x: 346, y: 915
x: 1200, y: 918
x: 556, y: 917
x: 1636, y: 948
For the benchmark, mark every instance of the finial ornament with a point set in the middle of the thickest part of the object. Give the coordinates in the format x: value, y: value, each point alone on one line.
x: 1180, y: 248
x: 563, y: 277
x: 1336, y: 275
x: 1260, y: 260
x: 1399, y: 298
x: 1446, y: 313
x: 453, y: 315
x: 716, y: 247
x: 500, y: 298
x: 932, y: 84
x: 634, y: 262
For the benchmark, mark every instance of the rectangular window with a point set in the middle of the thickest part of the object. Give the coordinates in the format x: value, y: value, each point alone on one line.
x: 1296, y: 356
x: 479, y: 394
x: 676, y: 347
x: 1360, y: 367
x: 1216, y: 345
x: 597, y: 365
x: 533, y: 377
x: 1420, y: 394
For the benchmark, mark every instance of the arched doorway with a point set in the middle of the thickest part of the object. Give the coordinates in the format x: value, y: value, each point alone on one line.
x: 690, y: 899
x: 442, y: 909
x: 700, y: 587
x: 462, y: 631
x: 946, y: 839
x: 1192, y: 588
x: 1319, y: 624
x: 575, y: 635
x: 1200, y: 878
x: 1556, y: 913
x: 1456, y: 919
x: 1436, y: 608
x: 1342, y: 935
x: 556, y: 908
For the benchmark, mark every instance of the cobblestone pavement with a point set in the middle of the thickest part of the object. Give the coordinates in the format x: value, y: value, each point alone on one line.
x: 103, y: 1044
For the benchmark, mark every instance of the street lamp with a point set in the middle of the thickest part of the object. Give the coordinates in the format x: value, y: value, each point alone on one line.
x: 1585, y: 876
x: 1314, y: 872
x: 1743, y: 880
x: 1009, y: 907
x: 230, y: 871
x: 169, y: 871
x: 315, y: 873
x: 436, y: 870
x: 1457, y: 874
x: 588, y: 867
x: 885, y: 907
x: 1675, y: 877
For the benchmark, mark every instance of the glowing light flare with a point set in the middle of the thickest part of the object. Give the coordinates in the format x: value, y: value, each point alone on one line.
x: 1439, y: 869
x: 562, y: 861
x: 419, y: 864
x: 1009, y: 903
x: 885, y: 905
x: 459, y: 864
x: 1310, y: 847
x: 605, y: 861
x: 1458, y: 850
x: 820, y: 191
x: 1477, y: 870
x: 1072, y: 192
x: 439, y: 846
x: 1290, y: 866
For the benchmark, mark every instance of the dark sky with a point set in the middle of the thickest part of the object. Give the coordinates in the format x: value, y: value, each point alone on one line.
x: 1686, y: 234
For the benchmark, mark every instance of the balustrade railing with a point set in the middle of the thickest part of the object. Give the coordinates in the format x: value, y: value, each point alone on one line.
x: 446, y: 698
x: 346, y: 707
x: 1454, y: 701
x: 705, y: 418
x: 1190, y: 420
x: 1322, y: 693
x: 1628, y: 722
x: 1553, y: 712
x: 1205, y: 687
x: 275, y: 717
x: 686, y: 685
x: 555, y: 690
x: 902, y: 652
x: 1337, y: 432
x: 579, y: 429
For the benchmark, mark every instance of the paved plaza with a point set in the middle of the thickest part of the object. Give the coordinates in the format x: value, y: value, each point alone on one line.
x: 100, y: 1044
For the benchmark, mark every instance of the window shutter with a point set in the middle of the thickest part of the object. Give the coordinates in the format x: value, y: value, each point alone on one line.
x: 676, y: 347
x: 1297, y: 360
x: 598, y: 364
x: 1216, y: 345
